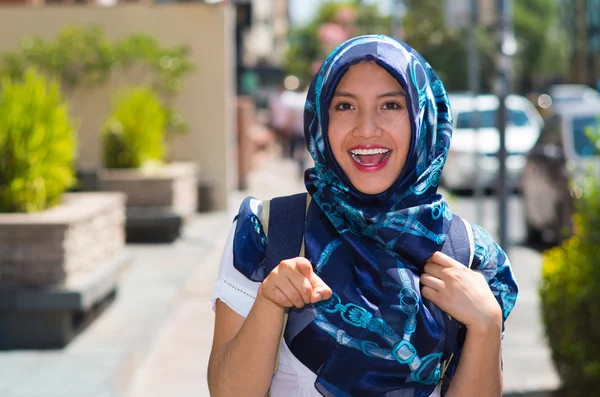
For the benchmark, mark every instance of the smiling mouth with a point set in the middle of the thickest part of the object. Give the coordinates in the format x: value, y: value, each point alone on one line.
x: 370, y: 157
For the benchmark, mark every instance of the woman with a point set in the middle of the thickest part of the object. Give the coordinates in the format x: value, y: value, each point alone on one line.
x: 368, y: 298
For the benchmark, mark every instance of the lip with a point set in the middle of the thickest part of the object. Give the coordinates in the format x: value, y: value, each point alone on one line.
x: 370, y: 168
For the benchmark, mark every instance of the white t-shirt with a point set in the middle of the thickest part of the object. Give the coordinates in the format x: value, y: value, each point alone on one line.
x: 293, y: 379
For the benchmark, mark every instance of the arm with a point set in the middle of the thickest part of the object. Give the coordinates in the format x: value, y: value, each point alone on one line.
x: 465, y: 295
x: 479, y: 371
x: 243, y: 354
x: 244, y: 350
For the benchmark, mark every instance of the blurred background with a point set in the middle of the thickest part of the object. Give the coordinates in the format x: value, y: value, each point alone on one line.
x: 130, y: 132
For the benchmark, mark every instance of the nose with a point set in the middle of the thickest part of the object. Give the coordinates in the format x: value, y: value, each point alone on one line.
x: 368, y: 125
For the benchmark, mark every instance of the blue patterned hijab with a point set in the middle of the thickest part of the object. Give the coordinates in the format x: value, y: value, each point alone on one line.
x: 410, y: 213
x: 376, y: 336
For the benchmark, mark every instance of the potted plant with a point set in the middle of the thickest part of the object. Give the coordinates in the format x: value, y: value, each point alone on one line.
x: 60, y: 253
x: 159, y: 195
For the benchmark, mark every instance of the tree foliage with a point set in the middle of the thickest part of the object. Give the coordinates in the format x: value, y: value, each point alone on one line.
x: 310, y: 44
x: 541, y: 46
x: 542, y: 49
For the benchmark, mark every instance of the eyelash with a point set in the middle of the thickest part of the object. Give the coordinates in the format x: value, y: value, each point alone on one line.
x: 343, y: 106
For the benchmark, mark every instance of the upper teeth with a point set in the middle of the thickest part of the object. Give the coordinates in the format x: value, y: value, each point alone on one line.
x: 366, y: 152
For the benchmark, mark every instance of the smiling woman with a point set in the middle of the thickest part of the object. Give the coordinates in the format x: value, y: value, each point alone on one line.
x: 369, y: 127
x: 376, y: 303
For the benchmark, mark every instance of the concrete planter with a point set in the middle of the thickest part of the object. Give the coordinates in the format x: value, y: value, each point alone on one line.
x: 173, y: 186
x: 57, y: 267
x: 158, y: 202
x: 62, y: 243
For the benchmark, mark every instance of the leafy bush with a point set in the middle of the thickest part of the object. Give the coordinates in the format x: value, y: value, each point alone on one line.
x: 78, y: 56
x: 83, y: 56
x: 37, y: 143
x: 570, y: 297
x: 162, y: 68
x: 134, y: 135
x: 166, y: 66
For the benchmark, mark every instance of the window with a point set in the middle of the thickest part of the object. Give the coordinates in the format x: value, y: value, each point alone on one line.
x: 489, y: 119
x: 582, y: 126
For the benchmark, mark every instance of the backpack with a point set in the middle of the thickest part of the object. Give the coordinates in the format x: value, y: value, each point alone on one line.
x: 283, y: 220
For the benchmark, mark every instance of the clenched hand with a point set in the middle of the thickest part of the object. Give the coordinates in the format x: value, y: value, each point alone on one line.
x: 461, y: 292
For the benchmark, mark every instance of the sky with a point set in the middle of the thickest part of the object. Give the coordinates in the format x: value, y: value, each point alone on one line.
x: 302, y: 11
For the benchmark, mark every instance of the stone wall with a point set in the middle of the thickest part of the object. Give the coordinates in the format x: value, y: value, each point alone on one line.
x: 65, y: 242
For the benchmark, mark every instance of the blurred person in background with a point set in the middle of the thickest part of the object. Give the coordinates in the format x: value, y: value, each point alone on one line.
x: 280, y: 117
x: 391, y: 294
x: 295, y: 104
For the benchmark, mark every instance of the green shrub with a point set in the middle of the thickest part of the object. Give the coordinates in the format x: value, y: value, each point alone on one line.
x: 83, y: 56
x: 37, y: 143
x: 570, y: 297
x: 134, y: 135
x: 78, y: 56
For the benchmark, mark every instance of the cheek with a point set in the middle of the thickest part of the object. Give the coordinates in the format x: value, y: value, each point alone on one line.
x: 336, y: 140
x: 403, y: 135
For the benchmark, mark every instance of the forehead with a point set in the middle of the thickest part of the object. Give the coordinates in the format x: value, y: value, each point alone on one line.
x: 368, y: 74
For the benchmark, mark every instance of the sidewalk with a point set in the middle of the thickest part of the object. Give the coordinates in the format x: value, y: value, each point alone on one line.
x: 178, y: 364
x: 154, y: 340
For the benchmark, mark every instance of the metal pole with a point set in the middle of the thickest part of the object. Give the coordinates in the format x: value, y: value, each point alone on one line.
x: 398, y: 10
x: 474, y: 71
x: 505, y: 50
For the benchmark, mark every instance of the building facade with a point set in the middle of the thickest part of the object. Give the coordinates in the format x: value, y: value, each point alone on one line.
x: 261, y: 32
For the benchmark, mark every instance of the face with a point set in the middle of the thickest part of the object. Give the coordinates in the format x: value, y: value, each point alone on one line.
x: 369, y: 127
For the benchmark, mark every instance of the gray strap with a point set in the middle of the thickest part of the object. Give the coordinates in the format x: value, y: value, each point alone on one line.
x: 471, y: 241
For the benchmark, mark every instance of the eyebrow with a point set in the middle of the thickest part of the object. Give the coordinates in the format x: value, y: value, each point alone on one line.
x: 385, y: 94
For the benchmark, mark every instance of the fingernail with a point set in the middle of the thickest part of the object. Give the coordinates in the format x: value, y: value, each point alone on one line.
x: 318, y: 296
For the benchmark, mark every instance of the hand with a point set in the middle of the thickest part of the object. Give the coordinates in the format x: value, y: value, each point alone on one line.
x: 461, y: 292
x: 294, y: 283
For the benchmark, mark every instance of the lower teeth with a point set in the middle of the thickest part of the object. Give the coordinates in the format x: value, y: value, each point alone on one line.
x: 356, y: 158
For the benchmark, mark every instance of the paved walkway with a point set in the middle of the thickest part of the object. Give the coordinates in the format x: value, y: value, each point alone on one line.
x: 154, y: 340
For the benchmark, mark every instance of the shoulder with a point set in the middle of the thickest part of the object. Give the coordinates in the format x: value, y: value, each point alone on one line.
x: 487, y: 250
x: 493, y: 263
x: 488, y: 257
x: 250, y: 239
x: 250, y: 208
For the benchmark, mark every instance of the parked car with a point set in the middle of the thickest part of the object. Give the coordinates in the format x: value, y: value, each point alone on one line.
x: 554, y: 170
x: 565, y: 94
x: 523, y: 128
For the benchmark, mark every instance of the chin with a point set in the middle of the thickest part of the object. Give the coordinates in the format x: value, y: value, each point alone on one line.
x: 371, y: 189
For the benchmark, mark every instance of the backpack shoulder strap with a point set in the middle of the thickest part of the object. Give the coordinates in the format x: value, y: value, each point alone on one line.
x: 460, y: 244
x: 283, y: 222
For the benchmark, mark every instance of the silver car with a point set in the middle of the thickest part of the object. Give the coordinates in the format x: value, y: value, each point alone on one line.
x: 555, y: 168
x: 481, y: 144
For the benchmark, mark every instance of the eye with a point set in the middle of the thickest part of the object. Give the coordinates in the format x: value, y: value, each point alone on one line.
x: 391, y: 106
x: 343, y: 106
